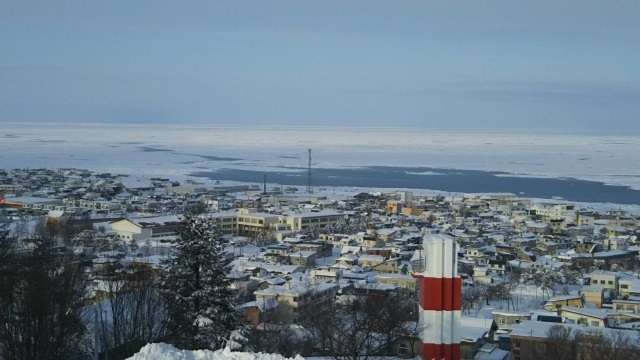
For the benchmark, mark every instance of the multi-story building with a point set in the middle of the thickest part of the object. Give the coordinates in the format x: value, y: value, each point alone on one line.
x: 606, y: 279
x: 305, y: 299
x: 318, y: 219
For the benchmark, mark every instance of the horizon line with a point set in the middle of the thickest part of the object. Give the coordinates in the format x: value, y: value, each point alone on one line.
x: 324, y: 127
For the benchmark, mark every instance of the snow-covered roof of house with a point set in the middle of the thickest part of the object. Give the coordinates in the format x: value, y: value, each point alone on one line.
x: 352, y: 249
x: 271, y: 268
x: 565, y: 297
x: 275, y: 280
x: 393, y: 276
x: 296, y: 288
x: 348, y: 257
x: 596, y: 313
x: 386, y: 232
x: 156, y: 221
x: 491, y: 352
x: 263, y: 305
x: 149, y: 260
x: 374, y: 286
x: 511, y: 313
x: 591, y: 288
x: 291, y: 240
x: 368, y: 257
x: 605, y: 273
x: 303, y: 254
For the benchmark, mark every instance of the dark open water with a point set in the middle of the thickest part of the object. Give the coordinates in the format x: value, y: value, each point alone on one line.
x: 450, y: 181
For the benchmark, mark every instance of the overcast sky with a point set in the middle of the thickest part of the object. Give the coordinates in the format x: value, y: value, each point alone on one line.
x: 435, y: 64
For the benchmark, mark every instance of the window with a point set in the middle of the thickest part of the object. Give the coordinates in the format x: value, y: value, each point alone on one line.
x: 624, y: 286
x: 594, y: 323
x: 610, y: 282
x: 403, y: 349
x: 502, y: 321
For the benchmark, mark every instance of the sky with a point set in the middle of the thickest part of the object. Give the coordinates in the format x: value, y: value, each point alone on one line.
x: 431, y: 64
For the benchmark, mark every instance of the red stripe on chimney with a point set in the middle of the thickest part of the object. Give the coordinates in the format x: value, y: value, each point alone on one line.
x: 440, y: 293
x: 441, y: 352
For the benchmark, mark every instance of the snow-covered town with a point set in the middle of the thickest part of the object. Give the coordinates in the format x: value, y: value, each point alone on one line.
x: 529, y: 270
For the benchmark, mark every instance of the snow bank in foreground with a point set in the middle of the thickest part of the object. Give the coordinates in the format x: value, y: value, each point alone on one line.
x: 168, y: 352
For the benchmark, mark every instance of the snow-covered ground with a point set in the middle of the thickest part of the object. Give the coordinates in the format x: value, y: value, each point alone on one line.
x: 175, y: 151
x: 168, y: 352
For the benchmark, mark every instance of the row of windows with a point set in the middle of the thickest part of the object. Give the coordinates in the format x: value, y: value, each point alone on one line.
x: 324, y: 219
x: 251, y: 220
x: 603, y: 282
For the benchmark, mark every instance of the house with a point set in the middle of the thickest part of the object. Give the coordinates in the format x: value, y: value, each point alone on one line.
x: 472, y: 339
x: 243, y: 285
x: 385, y: 252
x: 498, y: 266
x: 631, y: 306
x: 615, y: 243
x: 386, y: 235
x: 58, y: 217
x: 522, y: 243
x: 491, y: 352
x: 528, y: 336
x: 628, y: 285
x: 370, y: 260
x: 327, y: 275
x: 357, y: 250
x: 303, y: 258
x: 615, y: 231
x: 593, y: 294
x: 256, y: 312
x: 281, y: 250
x: 351, y: 259
x: 607, y: 279
x: 545, y: 248
x: 483, y: 275
x: 538, y: 228
x: 406, y: 285
x: 583, y: 316
x: 304, y: 298
x: 587, y: 247
x: 558, y: 302
x: 393, y: 265
x: 371, y: 241
x: 134, y: 229
x: 505, y: 319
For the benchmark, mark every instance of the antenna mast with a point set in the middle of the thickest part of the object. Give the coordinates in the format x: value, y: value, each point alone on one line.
x: 309, y: 173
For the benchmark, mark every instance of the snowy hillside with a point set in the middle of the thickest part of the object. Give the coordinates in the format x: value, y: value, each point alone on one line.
x: 168, y: 352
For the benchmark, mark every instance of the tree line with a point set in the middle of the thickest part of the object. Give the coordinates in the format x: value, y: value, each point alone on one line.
x: 52, y: 307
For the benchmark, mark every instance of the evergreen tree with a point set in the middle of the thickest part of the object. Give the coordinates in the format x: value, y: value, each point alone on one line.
x: 196, y: 289
x: 41, y: 302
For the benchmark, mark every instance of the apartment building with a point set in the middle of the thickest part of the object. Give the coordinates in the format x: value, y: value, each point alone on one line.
x: 305, y: 299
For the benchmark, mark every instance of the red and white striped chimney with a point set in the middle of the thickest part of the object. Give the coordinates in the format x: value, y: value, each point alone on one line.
x: 440, y: 290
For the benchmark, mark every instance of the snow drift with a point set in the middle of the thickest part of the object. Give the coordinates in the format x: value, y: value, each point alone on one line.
x: 168, y: 352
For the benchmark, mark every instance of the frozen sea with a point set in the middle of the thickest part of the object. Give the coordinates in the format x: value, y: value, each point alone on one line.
x: 580, y: 166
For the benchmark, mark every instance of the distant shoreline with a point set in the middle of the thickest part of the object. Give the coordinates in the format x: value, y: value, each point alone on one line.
x: 446, y: 180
